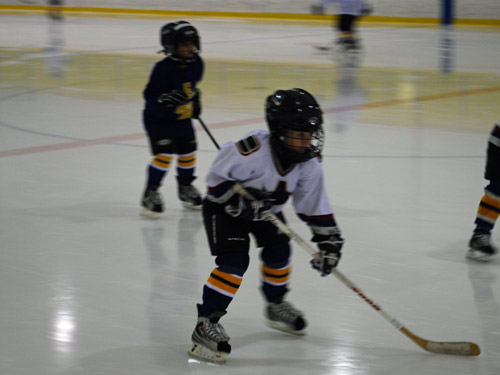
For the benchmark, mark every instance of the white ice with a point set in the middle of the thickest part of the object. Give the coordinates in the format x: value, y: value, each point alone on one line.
x: 88, y: 286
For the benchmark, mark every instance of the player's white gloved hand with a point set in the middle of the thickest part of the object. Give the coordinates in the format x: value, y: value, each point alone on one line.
x: 173, y: 99
x: 328, y: 256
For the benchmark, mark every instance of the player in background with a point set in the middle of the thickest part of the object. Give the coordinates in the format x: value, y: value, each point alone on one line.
x: 275, y: 165
x: 480, y: 246
x: 54, y: 9
x: 172, y: 99
x: 349, y: 13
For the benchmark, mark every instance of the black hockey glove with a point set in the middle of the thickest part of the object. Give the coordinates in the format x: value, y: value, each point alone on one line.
x: 251, y: 209
x: 317, y: 9
x: 173, y: 99
x: 367, y: 10
x: 329, y: 253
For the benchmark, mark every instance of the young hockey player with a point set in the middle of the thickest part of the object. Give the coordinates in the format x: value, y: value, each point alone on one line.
x: 273, y: 166
x: 480, y: 246
x: 172, y: 99
x: 54, y: 10
x: 349, y: 12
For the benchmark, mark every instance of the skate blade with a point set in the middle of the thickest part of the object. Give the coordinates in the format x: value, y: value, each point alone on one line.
x: 150, y: 214
x: 201, y: 352
x: 323, y: 47
x: 479, y: 256
x: 285, y: 328
x: 191, y: 206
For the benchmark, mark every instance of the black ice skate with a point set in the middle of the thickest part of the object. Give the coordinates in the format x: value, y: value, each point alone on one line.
x: 152, y: 204
x: 189, y: 196
x: 210, y: 340
x: 348, y: 52
x: 282, y: 316
x: 348, y: 44
x: 480, y: 248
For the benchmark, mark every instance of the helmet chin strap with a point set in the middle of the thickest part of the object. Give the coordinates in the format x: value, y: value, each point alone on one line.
x: 183, y: 60
x: 284, y: 163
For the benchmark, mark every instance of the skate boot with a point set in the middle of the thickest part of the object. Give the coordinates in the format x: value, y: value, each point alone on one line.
x: 189, y: 196
x: 480, y: 248
x: 348, y: 52
x: 348, y: 44
x: 282, y: 316
x: 210, y: 340
x: 152, y: 204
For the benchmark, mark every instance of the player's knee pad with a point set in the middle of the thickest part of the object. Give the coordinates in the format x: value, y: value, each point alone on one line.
x: 277, y: 256
x: 233, y: 262
x: 494, y: 187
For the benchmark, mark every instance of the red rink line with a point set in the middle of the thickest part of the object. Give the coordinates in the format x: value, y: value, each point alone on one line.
x: 228, y: 124
x: 120, y: 138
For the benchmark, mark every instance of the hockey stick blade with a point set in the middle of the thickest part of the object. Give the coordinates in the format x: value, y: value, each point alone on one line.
x: 323, y: 47
x: 453, y: 348
x: 438, y: 347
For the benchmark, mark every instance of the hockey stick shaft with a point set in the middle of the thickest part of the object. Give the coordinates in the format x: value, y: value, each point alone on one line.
x: 208, y: 133
x: 455, y: 348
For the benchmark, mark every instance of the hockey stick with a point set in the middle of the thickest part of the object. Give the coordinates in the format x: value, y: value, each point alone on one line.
x: 208, y: 132
x: 439, y: 347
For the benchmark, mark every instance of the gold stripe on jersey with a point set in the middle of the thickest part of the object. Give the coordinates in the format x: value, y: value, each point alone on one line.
x: 162, y: 161
x: 489, y: 208
x: 276, y: 276
x: 187, y: 161
x: 224, y: 282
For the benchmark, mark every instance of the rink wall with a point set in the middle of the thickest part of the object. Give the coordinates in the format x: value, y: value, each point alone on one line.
x: 466, y: 11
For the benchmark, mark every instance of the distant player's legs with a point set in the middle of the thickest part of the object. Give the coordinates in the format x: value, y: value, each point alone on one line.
x: 189, y: 196
x: 347, y: 38
x: 163, y: 156
x: 480, y: 246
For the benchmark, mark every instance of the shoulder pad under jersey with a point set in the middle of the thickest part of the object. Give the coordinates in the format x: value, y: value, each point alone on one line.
x: 248, y: 145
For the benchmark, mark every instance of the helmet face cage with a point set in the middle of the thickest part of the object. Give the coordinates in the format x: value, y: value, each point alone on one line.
x: 297, y: 110
x: 174, y: 33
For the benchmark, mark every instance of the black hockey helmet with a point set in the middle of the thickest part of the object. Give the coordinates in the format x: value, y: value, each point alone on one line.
x: 294, y: 109
x: 174, y: 33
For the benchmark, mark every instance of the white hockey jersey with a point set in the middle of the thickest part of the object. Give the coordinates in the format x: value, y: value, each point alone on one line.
x: 251, y: 162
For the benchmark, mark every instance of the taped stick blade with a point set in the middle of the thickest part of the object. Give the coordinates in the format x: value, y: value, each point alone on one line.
x: 453, y: 348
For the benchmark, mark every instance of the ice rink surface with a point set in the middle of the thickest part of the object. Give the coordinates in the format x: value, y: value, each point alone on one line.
x: 88, y: 286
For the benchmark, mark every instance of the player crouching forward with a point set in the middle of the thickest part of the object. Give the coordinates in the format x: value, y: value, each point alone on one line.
x: 273, y: 166
x: 172, y: 100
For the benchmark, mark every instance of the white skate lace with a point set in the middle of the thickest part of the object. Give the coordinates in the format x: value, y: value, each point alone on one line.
x: 481, y: 241
x: 285, y: 312
x: 190, y: 191
x: 154, y: 198
x: 215, y: 332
